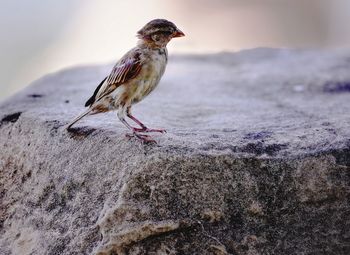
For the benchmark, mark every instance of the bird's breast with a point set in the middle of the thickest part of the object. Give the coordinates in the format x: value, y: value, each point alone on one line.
x: 152, y: 70
x: 156, y: 63
x: 151, y: 74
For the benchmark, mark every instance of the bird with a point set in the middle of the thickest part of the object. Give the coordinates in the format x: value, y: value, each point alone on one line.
x: 134, y: 77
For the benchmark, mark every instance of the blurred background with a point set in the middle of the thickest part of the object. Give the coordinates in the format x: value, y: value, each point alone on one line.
x: 38, y: 37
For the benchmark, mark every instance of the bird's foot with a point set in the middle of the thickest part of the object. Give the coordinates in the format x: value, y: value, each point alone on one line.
x: 145, y: 139
x: 149, y: 130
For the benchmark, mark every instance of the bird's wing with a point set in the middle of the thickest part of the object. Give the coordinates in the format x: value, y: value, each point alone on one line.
x: 125, y: 70
x: 91, y: 100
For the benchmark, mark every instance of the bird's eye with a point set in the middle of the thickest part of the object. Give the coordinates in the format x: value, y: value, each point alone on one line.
x: 155, y: 37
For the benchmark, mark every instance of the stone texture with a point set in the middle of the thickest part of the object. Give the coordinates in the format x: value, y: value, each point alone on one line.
x: 256, y: 161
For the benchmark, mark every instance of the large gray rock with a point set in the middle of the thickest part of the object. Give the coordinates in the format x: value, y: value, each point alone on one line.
x: 256, y: 161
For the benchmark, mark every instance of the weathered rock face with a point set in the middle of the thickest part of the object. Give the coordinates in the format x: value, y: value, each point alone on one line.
x: 256, y: 161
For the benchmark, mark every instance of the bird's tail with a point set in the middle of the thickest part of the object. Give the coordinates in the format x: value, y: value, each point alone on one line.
x: 79, y: 117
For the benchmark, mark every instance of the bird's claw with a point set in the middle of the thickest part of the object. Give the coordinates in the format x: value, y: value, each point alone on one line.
x: 158, y: 130
x: 145, y: 139
x: 149, y: 130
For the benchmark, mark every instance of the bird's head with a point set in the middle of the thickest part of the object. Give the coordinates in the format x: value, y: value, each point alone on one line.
x: 159, y: 32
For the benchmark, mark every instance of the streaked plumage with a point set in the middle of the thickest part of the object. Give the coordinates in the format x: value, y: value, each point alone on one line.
x: 134, y: 76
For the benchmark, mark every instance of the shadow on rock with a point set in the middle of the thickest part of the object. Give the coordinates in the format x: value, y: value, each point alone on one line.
x: 337, y: 87
x: 80, y: 132
x: 10, y: 118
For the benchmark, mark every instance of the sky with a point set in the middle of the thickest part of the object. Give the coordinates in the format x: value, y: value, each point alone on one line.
x: 40, y: 37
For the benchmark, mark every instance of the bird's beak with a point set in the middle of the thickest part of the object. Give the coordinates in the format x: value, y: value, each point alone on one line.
x: 178, y: 33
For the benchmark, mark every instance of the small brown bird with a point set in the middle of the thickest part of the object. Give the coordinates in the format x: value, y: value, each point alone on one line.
x: 134, y: 76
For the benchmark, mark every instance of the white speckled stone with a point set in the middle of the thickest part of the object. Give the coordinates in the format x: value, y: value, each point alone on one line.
x: 256, y: 161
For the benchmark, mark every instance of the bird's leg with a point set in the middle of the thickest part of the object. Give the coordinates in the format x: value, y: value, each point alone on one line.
x: 143, y: 128
x: 143, y: 138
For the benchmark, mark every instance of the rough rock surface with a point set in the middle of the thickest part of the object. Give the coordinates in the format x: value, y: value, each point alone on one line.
x: 256, y: 161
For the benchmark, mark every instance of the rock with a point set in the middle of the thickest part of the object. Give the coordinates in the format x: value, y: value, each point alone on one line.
x: 256, y: 161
